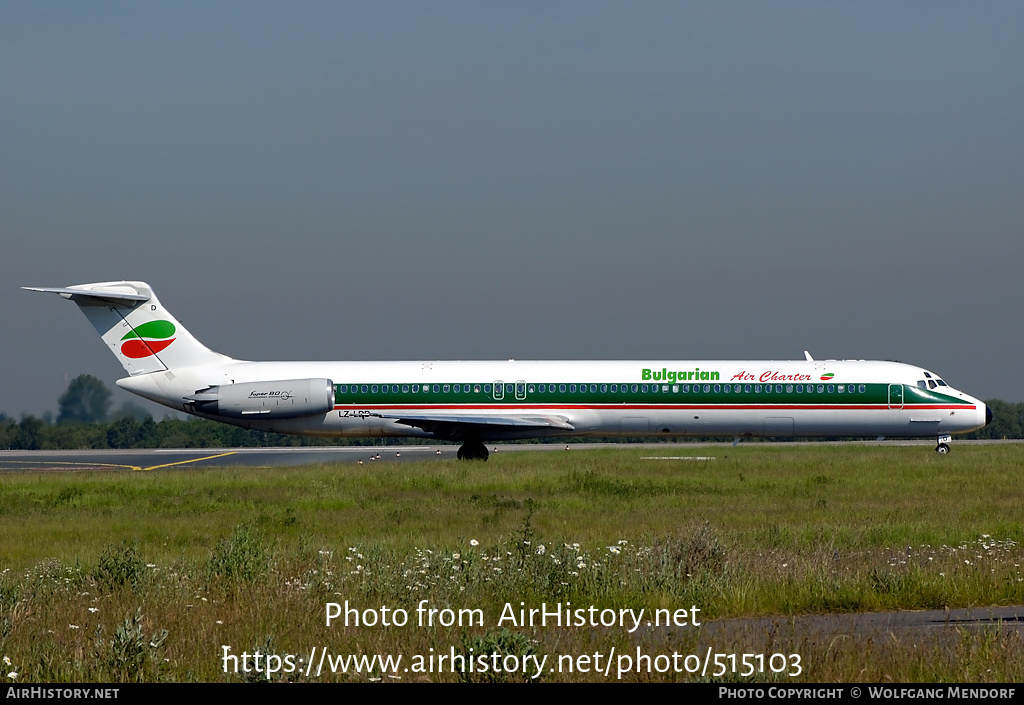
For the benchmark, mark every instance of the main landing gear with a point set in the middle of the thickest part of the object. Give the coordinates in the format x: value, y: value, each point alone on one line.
x: 473, y: 450
x: 942, y: 446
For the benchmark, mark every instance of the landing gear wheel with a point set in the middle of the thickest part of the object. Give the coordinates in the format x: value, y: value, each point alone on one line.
x: 472, y: 450
x: 942, y: 449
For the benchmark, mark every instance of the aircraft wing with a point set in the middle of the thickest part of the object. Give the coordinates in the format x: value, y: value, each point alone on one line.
x: 457, y: 426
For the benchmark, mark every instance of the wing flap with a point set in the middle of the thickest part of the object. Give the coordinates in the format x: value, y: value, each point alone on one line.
x: 484, y: 420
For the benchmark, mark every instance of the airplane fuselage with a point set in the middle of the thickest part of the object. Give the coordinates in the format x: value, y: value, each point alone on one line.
x: 678, y: 398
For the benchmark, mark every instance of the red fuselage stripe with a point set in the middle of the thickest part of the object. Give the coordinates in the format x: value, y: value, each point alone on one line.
x: 658, y: 407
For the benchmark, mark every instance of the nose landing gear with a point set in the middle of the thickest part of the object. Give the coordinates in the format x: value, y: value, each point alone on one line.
x: 942, y: 445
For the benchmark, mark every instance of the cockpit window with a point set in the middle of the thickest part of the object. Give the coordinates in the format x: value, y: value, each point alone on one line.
x: 942, y: 384
x: 922, y: 384
x: 931, y: 384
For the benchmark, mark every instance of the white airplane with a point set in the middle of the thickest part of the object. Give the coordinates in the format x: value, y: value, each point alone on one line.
x: 475, y: 402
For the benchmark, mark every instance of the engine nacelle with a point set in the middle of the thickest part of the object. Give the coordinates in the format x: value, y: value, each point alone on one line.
x: 279, y: 399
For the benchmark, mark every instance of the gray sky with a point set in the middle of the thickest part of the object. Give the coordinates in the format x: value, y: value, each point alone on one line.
x: 531, y: 180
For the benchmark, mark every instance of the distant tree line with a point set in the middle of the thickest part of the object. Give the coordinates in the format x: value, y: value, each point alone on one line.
x: 32, y: 433
x: 85, y: 420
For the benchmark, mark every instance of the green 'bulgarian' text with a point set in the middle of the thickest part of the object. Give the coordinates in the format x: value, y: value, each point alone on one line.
x: 666, y: 375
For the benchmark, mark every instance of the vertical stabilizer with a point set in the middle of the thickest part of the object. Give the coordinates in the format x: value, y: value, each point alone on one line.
x: 142, y: 335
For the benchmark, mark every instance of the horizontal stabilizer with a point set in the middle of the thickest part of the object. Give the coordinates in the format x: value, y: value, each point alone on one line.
x: 103, y: 296
x: 142, y: 335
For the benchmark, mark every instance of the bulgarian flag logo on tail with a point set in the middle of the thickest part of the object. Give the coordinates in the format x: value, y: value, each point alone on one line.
x: 148, y: 339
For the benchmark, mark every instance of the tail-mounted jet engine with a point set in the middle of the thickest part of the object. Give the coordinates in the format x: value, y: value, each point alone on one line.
x: 282, y: 399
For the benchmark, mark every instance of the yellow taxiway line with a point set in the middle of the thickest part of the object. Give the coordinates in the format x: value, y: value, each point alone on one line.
x: 60, y: 464
x: 184, y: 462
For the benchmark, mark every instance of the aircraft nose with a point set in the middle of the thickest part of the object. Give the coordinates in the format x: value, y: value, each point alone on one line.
x: 988, y: 414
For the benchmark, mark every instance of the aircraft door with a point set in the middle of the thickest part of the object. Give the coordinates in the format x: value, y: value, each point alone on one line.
x: 499, y: 390
x: 895, y: 396
x: 520, y: 390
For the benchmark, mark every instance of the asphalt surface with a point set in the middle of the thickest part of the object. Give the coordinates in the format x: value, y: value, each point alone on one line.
x: 173, y: 458
x: 929, y: 624
x: 170, y: 459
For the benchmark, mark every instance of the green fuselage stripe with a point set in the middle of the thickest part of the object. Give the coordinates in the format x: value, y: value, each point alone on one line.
x: 873, y: 395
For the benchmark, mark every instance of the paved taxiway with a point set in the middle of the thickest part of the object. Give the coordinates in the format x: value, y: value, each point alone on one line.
x: 177, y: 458
x: 180, y: 458
x: 923, y: 623
x: 161, y: 458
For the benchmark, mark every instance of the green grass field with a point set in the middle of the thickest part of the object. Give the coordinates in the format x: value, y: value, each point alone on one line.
x: 147, y: 576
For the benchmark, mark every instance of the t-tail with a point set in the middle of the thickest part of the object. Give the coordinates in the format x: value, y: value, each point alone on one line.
x: 141, y: 333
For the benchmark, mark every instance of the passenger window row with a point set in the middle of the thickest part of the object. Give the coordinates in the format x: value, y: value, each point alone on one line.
x: 518, y: 390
